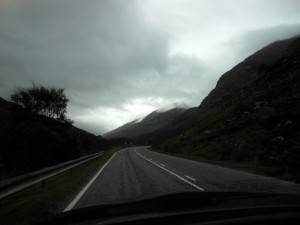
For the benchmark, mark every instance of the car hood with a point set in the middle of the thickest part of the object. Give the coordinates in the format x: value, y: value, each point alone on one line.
x: 175, y: 202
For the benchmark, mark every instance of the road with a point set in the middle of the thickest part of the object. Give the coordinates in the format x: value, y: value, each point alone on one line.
x: 135, y: 173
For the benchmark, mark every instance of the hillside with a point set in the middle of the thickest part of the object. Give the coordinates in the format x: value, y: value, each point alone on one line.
x: 252, y: 115
x: 255, y: 66
x: 142, y: 131
x: 30, y: 141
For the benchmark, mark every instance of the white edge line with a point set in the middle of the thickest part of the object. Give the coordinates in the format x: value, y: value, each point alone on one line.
x: 237, y: 170
x: 81, y: 193
x: 174, y: 174
x: 163, y: 165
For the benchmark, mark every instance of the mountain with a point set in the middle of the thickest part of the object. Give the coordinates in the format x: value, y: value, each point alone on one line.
x: 30, y: 141
x: 229, y: 89
x: 252, y: 116
x: 252, y: 68
x: 142, y: 131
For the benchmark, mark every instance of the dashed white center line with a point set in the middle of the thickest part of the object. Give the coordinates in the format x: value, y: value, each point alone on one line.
x: 174, y: 174
x: 163, y: 165
x: 190, y: 178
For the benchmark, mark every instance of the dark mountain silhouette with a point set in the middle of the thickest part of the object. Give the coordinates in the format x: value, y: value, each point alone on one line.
x: 255, y: 66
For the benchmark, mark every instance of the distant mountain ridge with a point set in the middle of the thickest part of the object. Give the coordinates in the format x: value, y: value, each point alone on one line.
x: 150, y: 124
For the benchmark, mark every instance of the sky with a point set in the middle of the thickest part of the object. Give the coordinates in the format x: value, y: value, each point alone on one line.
x: 119, y: 60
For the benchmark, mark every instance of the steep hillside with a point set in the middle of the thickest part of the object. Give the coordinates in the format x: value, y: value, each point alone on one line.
x: 255, y: 66
x: 253, y: 114
x: 141, y: 131
x: 30, y: 141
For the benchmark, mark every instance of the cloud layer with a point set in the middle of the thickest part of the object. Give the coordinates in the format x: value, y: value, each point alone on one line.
x: 119, y: 60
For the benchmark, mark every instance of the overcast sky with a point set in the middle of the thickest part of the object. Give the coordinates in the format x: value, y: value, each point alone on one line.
x: 119, y: 60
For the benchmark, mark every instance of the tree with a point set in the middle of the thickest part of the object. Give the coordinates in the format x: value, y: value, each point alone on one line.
x: 48, y: 101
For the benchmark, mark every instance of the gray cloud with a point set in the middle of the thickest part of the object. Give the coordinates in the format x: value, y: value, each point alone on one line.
x: 119, y: 60
x: 249, y: 42
x: 102, y: 52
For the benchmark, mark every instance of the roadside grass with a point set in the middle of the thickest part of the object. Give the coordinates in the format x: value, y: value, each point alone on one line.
x: 242, y: 166
x: 35, y: 204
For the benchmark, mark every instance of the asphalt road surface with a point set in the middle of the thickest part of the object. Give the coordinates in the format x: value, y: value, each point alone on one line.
x: 136, y: 173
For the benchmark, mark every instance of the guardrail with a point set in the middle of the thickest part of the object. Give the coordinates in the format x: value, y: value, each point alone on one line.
x: 15, y: 184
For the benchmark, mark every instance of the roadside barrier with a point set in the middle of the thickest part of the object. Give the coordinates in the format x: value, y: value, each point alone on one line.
x: 16, y: 184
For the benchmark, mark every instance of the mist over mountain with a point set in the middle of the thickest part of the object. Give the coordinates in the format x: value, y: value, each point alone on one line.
x: 140, y: 131
x: 228, y: 89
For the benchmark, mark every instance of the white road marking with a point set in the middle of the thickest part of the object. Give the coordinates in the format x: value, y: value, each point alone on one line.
x: 190, y: 178
x: 81, y: 193
x: 163, y: 165
x: 174, y: 174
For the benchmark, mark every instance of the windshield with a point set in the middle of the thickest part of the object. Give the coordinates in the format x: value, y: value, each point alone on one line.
x: 116, y: 101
